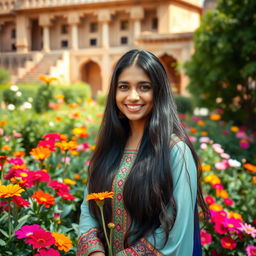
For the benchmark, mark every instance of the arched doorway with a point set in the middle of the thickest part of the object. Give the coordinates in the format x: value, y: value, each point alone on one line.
x: 90, y: 73
x: 170, y: 64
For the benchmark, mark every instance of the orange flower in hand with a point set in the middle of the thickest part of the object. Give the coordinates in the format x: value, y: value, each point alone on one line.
x: 10, y: 190
x: 100, y: 196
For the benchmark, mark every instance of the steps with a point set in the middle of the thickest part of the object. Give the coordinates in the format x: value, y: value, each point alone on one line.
x: 41, y: 68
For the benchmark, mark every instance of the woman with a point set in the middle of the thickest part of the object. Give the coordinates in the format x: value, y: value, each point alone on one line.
x: 144, y: 156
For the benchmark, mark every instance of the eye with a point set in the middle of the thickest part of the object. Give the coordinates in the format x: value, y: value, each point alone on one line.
x: 145, y: 88
x: 122, y: 87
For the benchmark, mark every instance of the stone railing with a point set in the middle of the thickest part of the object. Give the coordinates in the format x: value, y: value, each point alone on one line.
x: 6, y: 6
x: 26, y: 4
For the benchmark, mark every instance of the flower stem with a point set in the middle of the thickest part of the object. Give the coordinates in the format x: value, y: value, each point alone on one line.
x: 104, y: 229
x: 9, y: 220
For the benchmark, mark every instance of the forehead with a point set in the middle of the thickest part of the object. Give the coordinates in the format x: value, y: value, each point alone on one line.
x: 133, y: 74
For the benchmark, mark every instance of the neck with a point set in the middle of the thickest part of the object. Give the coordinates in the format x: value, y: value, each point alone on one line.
x: 137, y: 130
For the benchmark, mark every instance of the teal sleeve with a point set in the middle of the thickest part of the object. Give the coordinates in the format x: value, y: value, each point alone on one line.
x: 86, y: 220
x: 180, y: 239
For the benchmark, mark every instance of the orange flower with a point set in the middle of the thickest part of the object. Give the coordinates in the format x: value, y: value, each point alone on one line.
x: 3, y: 123
x: 80, y: 132
x: 201, y: 123
x: 235, y: 216
x: 250, y: 167
x: 216, y: 207
x: 215, y: 117
x: 62, y: 242
x: 234, y: 129
x: 206, y: 167
x: 100, y: 196
x: 18, y: 154
x: 6, y: 147
x: 254, y: 180
x: 193, y: 130
x: 10, y: 190
x: 47, y: 80
x: 44, y: 198
x: 77, y: 176
x: 40, y: 153
x: 213, y: 179
x: 58, y: 118
x: 222, y: 193
x: 72, y: 105
x: 66, y: 145
x: 204, y: 133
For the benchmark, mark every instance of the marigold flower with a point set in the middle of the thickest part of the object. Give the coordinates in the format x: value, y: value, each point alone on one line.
x: 10, y: 190
x: 216, y: 207
x: 40, y: 238
x: 250, y: 167
x: 62, y: 242
x: 40, y: 153
x: 228, y: 243
x: 215, y: 117
x: 44, y: 198
x: 100, y: 196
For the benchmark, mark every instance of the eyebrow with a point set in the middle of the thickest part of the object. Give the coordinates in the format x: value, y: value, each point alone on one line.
x: 140, y: 82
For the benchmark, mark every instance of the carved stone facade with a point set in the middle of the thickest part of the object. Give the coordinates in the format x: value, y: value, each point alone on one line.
x: 95, y: 33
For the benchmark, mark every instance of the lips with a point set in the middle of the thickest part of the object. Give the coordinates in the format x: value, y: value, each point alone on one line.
x: 133, y: 108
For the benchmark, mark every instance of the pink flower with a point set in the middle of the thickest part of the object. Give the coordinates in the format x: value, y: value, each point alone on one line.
x: 220, y: 228
x: 65, y: 195
x: 87, y: 162
x: 225, y: 132
x: 40, y: 238
x: 228, y: 201
x: 39, y: 176
x: 227, y: 242
x: 218, y: 186
x: 248, y: 229
x: 52, y: 136
x: 195, y: 118
x: 59, y: 186
x: 203, y: 146
x: 47, y: 252
x: 17, y: 134
x: 209, y: 200
x: 251, y: 250
x: 244, y: 144
x: 223, y: 165
x: 225, y: 155
x: 204, y: 140
x: 217, y: 148
x: 1, y: 131
x: 206, y: 238
x: 232, y: 223
x: 27, y: 230
x: 241, y: 135
x: 16, y: 161
x: 192, y: 138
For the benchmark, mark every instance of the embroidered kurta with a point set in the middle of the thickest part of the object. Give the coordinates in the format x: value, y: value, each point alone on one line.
x: 182, y: 238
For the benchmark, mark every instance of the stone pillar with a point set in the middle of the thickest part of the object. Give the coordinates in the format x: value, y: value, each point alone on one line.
x: 164, y: 18
x: 73, y: 21
x: 137, y: 14
x: 44, y: 21
x: 21, y: 34
x: 105, y: 71
x: 104, y: 18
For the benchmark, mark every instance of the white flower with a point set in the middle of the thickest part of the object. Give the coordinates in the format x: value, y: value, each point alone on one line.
x: 30, y: 99
x: 14, y: 88
x: 18, y: 93
x: 27, y: 105
x: 11, y: 107
x: 203, y: 146
x: 51, y: 123
x: 234, y: 163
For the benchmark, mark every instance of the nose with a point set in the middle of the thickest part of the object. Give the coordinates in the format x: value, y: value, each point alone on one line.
x: 133, y: 95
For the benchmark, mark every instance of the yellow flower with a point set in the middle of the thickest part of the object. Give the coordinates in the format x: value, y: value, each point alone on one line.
x: 215, y: 117
x: 92, y: 147
x: 201, y: 123
x: 40, y: 153
x: 206, y: 167
x: 216, y: 207
x: 213, y: 179
x: 69, y: 182
x: 234, y: 129
x: 10, y: 190
x: 62, y: 242
x: 222, y: 193
x: 66, y: 145
x: 235, y: 215
x: 6, y: 148
x: 100, y: 196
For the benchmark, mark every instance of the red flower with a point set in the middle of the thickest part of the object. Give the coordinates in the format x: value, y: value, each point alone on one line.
x: 209, y: 200
x: 20, y: 201
x: 47, y: 252
x: 65, y: 195
x: 228, y: 201
x: 59, y: 186
x: 40, y: 176
x: 206, y: 238
x: 40, y: 238
x: 227, y: 242
x: 44, y: 198
x: 47, y: 144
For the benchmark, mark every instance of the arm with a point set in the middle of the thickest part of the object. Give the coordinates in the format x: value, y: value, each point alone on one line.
x: 88, y: 242
x: 180, y: 241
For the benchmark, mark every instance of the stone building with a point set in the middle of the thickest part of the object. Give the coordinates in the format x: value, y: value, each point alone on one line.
x: 82, y: 39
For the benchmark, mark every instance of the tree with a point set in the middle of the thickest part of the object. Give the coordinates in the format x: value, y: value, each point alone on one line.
x: 222, y: 69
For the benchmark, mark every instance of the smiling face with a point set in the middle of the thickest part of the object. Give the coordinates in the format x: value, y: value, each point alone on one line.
x: 134, y: 94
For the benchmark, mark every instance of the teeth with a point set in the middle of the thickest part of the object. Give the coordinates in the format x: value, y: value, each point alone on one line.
x: 134, y: 107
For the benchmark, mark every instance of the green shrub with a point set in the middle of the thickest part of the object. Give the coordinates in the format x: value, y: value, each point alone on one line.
x: 4, y: 76
x: 13, y: 96
x: 101, y: 98
x: 44, y: 96
x: 184, y: 104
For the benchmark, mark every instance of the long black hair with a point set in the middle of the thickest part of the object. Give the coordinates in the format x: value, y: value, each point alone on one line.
x: 148, y: 190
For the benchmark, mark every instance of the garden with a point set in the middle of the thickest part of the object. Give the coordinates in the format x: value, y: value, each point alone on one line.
x: 48, y: 133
